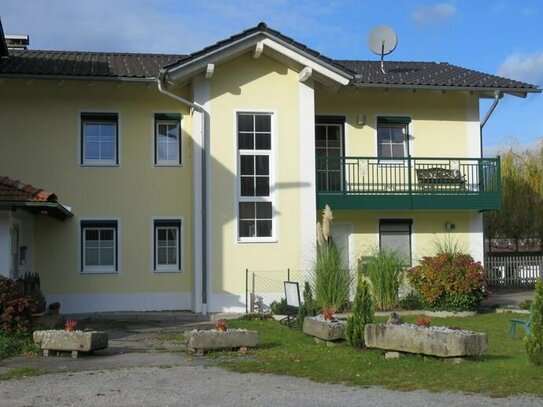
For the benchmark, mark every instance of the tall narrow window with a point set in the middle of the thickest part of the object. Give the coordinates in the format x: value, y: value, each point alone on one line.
x: 255, y: 207
x: 99, y: 139
x: 395, y: 235
x: 99, y: 246
x: 329, y: 152
x: 167, y: 245
x: 167, y: 139
x: 392, y: 137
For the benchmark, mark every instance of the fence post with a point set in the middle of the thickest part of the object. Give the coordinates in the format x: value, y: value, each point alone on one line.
x: 288, y: 274
x: 246, y: 291
x: 253, y: 292
x: 541, y: 267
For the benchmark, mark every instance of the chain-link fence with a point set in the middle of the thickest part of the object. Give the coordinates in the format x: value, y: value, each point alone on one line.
x: 263, y: 287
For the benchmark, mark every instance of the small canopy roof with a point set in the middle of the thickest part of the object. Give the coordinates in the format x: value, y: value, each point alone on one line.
x: 14, y: 194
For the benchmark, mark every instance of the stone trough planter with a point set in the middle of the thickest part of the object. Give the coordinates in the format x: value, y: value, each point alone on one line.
x: 434, y: 341
x: 75, y: 342
x: 198, y: 340
x: 325, y: 330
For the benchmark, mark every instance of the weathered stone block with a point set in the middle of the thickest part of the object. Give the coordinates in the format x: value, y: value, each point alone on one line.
x: 393, y: 355
x: 80, y: 341
x: 326, y: 330
x: 212, y: 339
x: 435, y: 341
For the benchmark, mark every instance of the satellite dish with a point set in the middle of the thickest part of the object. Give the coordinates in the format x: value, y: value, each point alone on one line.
x: 382, y: 41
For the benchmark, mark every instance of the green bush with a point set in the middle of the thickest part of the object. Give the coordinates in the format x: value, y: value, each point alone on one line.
x: 309, y: 307
x: 332, y: 279
x: 534, y: 341
x: 362, y: 314
x: 15, y: 344
x: 279, y: 308
x: 412, y: 301
x: 385, y: 272
x: 449, y: 282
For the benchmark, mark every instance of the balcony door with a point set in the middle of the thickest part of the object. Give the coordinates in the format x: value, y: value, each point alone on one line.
x: 329, y: 151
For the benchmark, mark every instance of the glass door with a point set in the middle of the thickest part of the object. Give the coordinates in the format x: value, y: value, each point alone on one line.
x: 329, y: 151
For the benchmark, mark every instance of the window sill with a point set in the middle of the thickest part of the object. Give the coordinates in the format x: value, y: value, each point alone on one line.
x: 166, y: 271
x: 257, y: 240
x: 99, y: 164
x: 173, y: 164
x: 97, y: 271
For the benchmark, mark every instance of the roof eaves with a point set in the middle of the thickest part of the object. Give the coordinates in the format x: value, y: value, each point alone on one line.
x: 260, y: 30
x: 79, y: 77
x: 513, y: 91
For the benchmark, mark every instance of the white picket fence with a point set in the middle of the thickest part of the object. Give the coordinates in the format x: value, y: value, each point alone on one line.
x: 513, y: 271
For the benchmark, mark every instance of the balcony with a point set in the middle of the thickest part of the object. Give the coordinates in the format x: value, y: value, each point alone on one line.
x: 370, y: 183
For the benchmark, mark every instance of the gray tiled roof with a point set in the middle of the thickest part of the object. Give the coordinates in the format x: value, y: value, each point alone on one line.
x: 139, y: 66
x: 439, y: 74
x: 86, y: 64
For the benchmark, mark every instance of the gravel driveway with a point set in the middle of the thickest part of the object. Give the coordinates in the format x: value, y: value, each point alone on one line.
x: 141, y: 368
x: 213, y: 386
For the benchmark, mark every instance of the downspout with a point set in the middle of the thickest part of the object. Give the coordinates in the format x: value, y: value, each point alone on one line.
x: 203, y: 112
x: 498, y: 94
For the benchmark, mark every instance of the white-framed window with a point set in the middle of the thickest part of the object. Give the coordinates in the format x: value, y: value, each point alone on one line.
x: 99, y: 246
x: 99, y: 139
x: 167, y: 245
x: 393, y: 137
x: 395, y: 235
x: 329, y: 152
x: 255, y: 203
x: 167, y: 139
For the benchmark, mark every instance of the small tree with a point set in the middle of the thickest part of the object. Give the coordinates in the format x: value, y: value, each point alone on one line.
x: 534, y: 341
x: 362, y: 313
x: 309, y: 307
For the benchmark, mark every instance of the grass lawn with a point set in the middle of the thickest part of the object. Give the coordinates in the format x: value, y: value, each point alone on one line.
x: 503, y: 371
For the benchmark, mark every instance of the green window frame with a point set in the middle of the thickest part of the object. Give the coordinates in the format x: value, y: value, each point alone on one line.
x: 99, y: 139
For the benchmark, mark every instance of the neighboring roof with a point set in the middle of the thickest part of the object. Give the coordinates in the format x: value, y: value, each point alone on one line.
x: 102, y: 65
x: 16, y: 194
x: 11, y: 190
x: 85, y: 64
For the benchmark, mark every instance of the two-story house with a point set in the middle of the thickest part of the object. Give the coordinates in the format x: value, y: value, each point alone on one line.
x: 170, y: 175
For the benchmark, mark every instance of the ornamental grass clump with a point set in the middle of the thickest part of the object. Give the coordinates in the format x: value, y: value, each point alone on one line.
x: 362, y: 313
x: 534, y: 341
x: 449, y: 282
x: 385, y: 271
x: 332, y: 278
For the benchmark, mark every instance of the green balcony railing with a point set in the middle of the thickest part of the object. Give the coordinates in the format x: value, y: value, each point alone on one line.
x: 353, y: 183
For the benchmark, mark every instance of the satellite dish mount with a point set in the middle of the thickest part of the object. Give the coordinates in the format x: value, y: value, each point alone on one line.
x: 382, y: 41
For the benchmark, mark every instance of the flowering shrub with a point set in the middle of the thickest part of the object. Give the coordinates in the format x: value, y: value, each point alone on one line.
x: 449, y: 282
x: 423, y: 321
x: 15, y: 310
x: 15, y: 316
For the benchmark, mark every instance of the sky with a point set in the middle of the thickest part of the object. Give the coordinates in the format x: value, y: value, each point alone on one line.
x: 503, y: 37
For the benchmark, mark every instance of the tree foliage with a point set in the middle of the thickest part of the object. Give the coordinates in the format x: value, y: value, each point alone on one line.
x: 534, y: 341
x: 362, y: 313
x: 521, y: 215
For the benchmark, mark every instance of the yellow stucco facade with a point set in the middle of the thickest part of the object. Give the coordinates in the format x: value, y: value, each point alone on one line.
x: 41, y: 143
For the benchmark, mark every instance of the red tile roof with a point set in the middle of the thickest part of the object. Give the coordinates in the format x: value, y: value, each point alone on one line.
x: 15, y: 191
